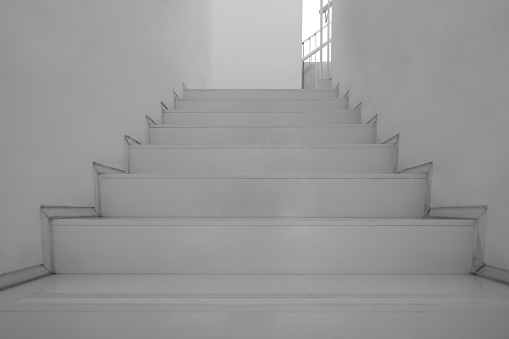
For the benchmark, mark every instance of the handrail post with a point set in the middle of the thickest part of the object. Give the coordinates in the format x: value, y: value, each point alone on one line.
x: 329, y: 51
x: 321, y: 36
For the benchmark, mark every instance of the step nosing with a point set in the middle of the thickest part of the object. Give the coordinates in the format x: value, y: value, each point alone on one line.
x: 267, y: 147
x: 269, y: 111
x: 256, y: 222
x: 262, y: 99
x: 273, y: 126
x: 259, y: 90
x: 285, y: 176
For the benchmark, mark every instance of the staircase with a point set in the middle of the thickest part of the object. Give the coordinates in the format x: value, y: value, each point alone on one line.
x: 261, y: 214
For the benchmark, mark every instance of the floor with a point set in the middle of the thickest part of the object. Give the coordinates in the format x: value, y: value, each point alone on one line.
x: 256, y: 306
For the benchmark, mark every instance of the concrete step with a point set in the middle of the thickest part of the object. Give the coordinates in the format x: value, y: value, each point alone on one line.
x: 258, y: 93
x: 154, y: 306
x: 170, y: 134
x: 265, y: 103
x: 278, y: 195
x: 164, y: 159
x: 263, y: 246
x: 262, y: 118
x: 254, y: 306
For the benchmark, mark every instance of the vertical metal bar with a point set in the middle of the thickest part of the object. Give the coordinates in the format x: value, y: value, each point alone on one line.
x: 309, y: 74
x: 302, y: 80
x: 314, y: 71
x: 316, y: 64
x: 329, y: 51
x: 309, y: 66
x: 321, y: 35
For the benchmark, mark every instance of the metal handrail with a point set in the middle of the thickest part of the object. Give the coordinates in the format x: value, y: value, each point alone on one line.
x: 311, y: 47
x: 315, y: 33
x: 316, y: 50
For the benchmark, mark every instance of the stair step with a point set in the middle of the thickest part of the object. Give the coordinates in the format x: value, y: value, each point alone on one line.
x: 261, y: 118
x: 263, y: 246
x: 258, y: 93
x: 264, y: 103
x: 283, y: 195
x: 154, y: 306
x: 359, y: 159
x: 169, y: 134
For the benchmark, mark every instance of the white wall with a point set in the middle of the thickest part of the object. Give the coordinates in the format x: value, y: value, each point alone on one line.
x: 437, y: 72
x: 256, y: 44
x: 310, y: 17
x: 75, y: 76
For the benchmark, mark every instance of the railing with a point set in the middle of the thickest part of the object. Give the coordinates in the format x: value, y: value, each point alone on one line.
x: 316, y: 50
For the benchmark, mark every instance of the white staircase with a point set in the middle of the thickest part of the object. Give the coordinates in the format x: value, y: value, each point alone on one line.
x: 262, y: 213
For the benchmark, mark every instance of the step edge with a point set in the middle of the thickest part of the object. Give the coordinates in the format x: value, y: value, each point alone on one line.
x: 285, y: 176
x: 273, y: 111
x: 260, y: 146
x: 260, y: 90
x: 245, y: 222
x: 328, y: 99
x: 281, y: 126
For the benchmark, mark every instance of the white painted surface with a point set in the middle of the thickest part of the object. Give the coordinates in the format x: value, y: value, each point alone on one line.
x: 261, y: 135
x: 380, y: 195
x: 261, y: 118
x: 436, y: 72
x: 267, y: 104
x: 257, y: 93
x: 255, y: 44
x: 19, y: 277
x: 228, y: 306
x: 252, y: 246
x: 153, y: 159
x: 75, y: 77
x: 78, y: 75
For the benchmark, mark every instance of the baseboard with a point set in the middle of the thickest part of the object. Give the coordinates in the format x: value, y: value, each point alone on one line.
x: 23, y: 276
x: 394, y: 141
x: 477, y: 213
x: 493, y: 273
x: 150, y: 122
x: 427, y: 169
x: 49, y: 213
x: 98, y: 170
x: 128, y: 142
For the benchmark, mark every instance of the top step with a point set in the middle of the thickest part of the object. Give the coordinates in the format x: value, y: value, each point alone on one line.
x: 257, y: 93
x: 261, y: 103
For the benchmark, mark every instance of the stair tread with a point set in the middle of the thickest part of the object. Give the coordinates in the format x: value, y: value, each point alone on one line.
x: 262, y: 146
x: 264, y: 176
x: 259, y: 110
x: 262, y: 126
x: 266, y: 293
x: 262, y: 99
x: 281, y: 221
x: 258, y: 90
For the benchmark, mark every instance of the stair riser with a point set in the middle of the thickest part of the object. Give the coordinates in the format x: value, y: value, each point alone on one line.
x: 264, y: 249
x: 121, y: 196
x: 225, y: 323
x: 145, y: 160
x: 261, y: 104
x: 262, y: 118
x: 258, y: 94
x: 363, y: 134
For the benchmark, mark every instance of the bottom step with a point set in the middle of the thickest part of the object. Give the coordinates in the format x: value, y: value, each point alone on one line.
x: 263, y: 246
x: 256, y: 306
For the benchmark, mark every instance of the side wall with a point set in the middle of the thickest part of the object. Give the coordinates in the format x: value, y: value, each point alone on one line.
x: 437, y: 73
x: 75, y: 76
x: 256, y: 44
